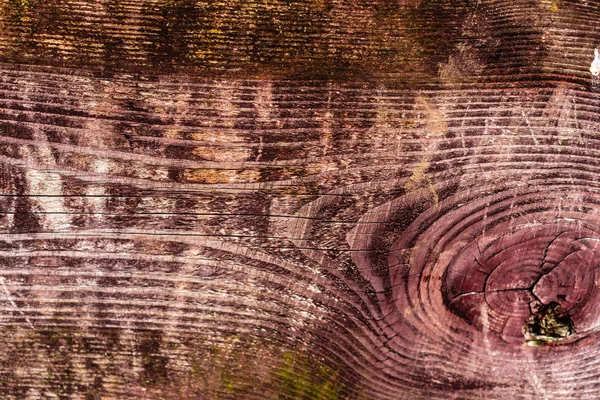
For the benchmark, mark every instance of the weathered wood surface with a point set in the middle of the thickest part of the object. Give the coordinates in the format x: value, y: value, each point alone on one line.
x: 297, y: 199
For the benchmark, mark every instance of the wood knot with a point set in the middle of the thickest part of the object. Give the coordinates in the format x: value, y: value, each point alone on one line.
x: 548, y: 325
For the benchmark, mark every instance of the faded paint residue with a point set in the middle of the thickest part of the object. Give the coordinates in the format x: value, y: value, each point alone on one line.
x: 220, y: 176
x: 421, y: 179
x: 220, y: 154
x: 435, y: 121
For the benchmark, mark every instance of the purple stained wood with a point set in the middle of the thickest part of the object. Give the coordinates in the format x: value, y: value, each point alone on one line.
x: 299, y: 199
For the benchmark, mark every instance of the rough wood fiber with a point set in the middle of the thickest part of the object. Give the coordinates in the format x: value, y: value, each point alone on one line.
x: 297, y: 199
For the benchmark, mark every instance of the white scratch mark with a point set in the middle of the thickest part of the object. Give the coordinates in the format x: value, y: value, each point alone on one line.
x: 486, y: 330
x: 529, y: 126
x: 535, y: 380
x: 9, y: 297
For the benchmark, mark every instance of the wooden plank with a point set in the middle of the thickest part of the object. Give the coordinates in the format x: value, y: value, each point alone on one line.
x: 298, y: 199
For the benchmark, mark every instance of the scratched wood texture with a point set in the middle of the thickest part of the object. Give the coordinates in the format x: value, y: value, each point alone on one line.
x: 303, y: 199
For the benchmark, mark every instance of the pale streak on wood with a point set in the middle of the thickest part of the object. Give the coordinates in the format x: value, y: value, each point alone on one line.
x: 45, y: 183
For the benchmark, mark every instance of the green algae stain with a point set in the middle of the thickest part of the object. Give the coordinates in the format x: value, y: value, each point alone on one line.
x: 154, y: 363
x: 17, y: 10
x: 175, y: 20
x: 301, y: 378
x: 78, y: 363
x: 60, y: 371
x: 240, y: 368
x: 295, y: 39
x: 312, y: 39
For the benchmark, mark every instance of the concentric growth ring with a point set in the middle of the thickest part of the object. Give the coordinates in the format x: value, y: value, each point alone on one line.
x: 494, y: 260
x: 481, y: 262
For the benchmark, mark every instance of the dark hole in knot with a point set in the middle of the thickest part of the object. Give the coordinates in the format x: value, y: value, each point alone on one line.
x: 548, y: 325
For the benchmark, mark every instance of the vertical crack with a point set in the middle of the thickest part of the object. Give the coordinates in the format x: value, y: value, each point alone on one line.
x: 547, y: 324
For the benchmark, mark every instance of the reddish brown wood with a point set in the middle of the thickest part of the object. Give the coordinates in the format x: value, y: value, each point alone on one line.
x: 298, y: 199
